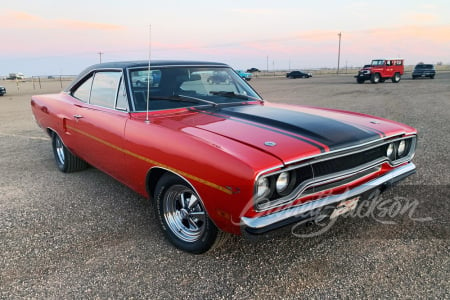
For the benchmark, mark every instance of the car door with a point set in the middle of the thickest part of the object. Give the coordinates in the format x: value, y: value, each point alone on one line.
x: 99, y: 123
x: 389, y: 71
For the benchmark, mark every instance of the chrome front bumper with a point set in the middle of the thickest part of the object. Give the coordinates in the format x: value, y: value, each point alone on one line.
x: 265, y: 223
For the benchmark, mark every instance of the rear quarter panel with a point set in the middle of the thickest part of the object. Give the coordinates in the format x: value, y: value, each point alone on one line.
x: 55, y: 112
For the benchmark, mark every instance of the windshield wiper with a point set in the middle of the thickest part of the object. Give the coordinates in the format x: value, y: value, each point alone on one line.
x: 234, y: 95
x: 195, y: 99
x: 183, y: 98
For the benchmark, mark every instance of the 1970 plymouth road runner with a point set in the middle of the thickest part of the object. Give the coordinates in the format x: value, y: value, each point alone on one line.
x: 214, y: 157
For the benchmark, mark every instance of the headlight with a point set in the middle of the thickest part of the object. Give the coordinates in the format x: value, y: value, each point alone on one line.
x: 401, y: 148
x: 390, y: 152
x: 282, y: 182
x: 262, y: 187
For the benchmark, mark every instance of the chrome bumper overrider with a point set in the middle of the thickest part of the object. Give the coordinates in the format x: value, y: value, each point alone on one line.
x: 261, y: 224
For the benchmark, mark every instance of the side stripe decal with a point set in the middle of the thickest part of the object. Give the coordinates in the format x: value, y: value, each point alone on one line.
x: 153, y: 162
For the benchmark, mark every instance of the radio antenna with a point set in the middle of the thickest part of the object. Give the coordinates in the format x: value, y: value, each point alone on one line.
x: 148, y: 72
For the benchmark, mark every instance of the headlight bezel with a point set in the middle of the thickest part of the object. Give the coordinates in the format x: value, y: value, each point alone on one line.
x: 262, y: 182
x: 390, y: 151
x: 270, y: 181
x: 282, y: 182
x: 400, y: 150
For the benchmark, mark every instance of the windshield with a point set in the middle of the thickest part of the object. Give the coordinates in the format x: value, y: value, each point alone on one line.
x: 176, y: 87
x: 377, y: 62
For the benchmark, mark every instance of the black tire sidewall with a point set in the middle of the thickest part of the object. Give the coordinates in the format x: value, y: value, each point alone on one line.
x: 210, y: 234
x: 62, y: 166
x: 375, y: 78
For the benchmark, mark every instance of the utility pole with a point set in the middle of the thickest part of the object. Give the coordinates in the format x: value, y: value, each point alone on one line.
x: 100, y: 55
x: 339, y: 52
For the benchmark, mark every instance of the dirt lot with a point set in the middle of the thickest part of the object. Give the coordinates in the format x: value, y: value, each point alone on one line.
x: 84, y: 235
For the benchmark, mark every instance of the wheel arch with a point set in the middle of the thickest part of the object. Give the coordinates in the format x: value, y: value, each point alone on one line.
x: 152, y: 178
x: 155, y: 174
x: 50, y: 132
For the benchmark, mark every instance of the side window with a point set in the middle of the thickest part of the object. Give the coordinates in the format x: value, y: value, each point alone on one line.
x: 84, y: 90
x: 122, y: 100
x: 104, y: 89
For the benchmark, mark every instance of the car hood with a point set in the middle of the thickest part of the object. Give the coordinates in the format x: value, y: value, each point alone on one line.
x: 291, y: 132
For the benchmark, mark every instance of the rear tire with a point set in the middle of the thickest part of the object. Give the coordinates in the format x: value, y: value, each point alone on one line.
x: 375, y: 78
x: 183, y: 217
x: 396, y: 78
x: 65, y: 160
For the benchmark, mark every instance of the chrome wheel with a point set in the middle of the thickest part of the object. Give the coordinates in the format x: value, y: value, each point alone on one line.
x: 184, y: 213
x: 59, y: 148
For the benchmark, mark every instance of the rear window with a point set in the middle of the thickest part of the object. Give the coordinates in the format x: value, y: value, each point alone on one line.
x: 423, y: 66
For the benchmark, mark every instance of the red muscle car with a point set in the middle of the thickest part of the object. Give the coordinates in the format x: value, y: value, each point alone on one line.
x: 214, y: 157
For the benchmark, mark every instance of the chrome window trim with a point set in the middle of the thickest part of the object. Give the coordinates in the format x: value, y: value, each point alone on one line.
x: 92, y: 74
x: 121, y: 83
x: 143, y: 67
x: 115, y: 92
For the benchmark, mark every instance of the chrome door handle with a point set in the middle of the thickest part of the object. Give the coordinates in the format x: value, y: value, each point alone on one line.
x: 77, y: 116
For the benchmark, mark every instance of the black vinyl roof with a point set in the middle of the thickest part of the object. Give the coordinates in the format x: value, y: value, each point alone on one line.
x: 153, y: 63
x: 141, y: 63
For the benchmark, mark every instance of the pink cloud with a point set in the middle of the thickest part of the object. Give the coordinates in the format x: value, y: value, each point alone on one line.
x: 23, y: 20
x: 80, y: 25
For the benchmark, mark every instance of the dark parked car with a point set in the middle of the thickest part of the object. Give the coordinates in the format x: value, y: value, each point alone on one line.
x: 2, y: 91
x: 423, y: 70
x: 253, y: 70
x: 298, y: 74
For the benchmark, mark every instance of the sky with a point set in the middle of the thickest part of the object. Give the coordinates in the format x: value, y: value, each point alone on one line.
x: 63, y: 37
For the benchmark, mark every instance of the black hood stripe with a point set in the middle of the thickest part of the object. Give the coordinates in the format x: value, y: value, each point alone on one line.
x: 265, y: 127
x: 326, y: 131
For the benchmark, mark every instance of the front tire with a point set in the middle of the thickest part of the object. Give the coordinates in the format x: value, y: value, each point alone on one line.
x: 360, y: 80
x: 396, y: 78
x: 65, y: 160
x: 375, y: 78
x: 183, y: 217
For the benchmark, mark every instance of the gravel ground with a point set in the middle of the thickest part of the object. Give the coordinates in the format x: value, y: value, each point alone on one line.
x: 84, y: 235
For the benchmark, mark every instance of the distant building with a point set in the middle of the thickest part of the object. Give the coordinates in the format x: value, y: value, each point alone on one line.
x: 18, y: 75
